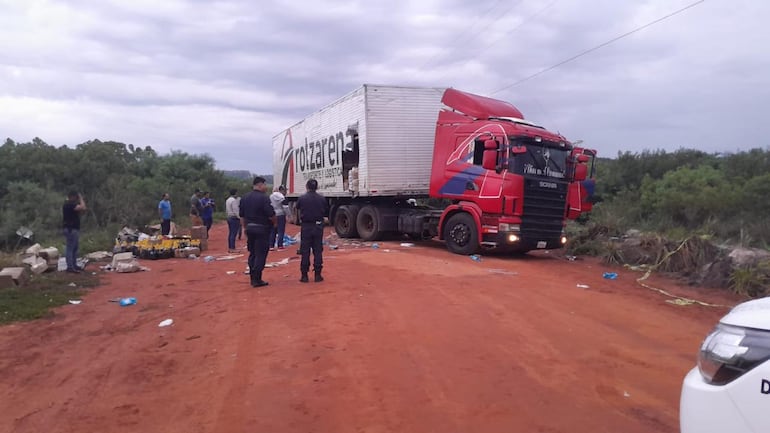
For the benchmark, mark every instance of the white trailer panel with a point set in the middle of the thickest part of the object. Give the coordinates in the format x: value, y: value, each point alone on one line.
x: 395, y: 129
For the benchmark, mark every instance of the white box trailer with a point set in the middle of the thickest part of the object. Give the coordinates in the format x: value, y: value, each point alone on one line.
x: 377, y: 141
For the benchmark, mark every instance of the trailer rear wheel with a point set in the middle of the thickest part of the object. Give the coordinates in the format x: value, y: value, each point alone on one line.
x: 368, y: 223
x: 461, y: 235
x: 345, y: 221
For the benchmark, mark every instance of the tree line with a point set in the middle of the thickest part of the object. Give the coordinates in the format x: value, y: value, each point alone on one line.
x: 722, y: 195
x: 121, y: 184
x: 674, y: 193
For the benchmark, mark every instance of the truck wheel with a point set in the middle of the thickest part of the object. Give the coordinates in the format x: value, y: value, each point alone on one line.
x: 461, y: 235
x: 345, y: 221
x: 368, y: 223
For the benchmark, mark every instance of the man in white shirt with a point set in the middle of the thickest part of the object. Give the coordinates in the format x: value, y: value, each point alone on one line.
x: 277, y: 200
x: 232, y: 207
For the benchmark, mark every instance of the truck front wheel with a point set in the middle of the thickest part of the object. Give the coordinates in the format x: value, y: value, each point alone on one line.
x: 461, y: 235
x: 345, y: 221
x: 368, y: 223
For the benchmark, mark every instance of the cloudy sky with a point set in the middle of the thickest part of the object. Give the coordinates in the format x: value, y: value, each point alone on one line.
x: 224, y: 77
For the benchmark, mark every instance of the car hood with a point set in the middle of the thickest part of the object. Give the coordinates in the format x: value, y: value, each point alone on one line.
x: 752, y: 314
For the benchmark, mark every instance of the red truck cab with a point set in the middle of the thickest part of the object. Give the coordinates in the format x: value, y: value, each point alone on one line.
x: 512, y: 183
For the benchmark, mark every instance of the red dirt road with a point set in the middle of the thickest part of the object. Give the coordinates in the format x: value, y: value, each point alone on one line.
x: 396, y: 339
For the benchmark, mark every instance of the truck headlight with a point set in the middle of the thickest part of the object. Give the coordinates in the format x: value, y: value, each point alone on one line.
x: 563, y: 240
x: 505, y: 227
x: 730, y: 351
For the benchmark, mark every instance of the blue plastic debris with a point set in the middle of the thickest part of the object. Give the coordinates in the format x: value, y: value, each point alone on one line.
x: 610, y: 275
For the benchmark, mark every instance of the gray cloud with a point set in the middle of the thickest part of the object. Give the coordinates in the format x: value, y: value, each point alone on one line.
x: 223, y: 77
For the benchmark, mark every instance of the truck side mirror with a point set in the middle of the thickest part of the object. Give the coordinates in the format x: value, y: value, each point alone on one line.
x: 581, y: 172
x: 489, y: 161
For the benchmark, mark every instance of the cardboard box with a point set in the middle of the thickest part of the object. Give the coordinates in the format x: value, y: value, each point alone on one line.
x: 50, y: 254
x: 198, y: 232
x: 121, y: 258
x: 13, y: 277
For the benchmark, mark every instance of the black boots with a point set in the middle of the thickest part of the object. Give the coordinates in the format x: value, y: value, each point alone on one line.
x: 318, y: 278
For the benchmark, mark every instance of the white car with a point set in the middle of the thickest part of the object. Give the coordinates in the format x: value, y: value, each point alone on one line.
x: 729, y: 391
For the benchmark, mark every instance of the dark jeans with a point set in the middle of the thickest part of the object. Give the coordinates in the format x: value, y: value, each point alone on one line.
x: 311, y: 237
x: 165, y: 227
x: 72, y: 238
x: 258, y: 243
x: 208, y: 221
x: 278, y: 232
x: 233, y: 226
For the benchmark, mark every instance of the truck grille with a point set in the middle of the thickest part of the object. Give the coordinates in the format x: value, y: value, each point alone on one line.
x: 544, y: 202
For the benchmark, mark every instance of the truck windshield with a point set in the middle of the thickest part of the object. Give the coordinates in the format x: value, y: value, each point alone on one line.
x: 541, y: 159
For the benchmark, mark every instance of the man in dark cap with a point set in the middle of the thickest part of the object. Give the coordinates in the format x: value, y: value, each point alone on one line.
x: 312, y: 209
x: 257, y: 219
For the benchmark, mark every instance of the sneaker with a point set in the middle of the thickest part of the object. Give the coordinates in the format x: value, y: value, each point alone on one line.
x: 281, y: 248
x: 303, y: 278
x: 73, y: 271
x: 318, y: 278
x: 260, y: 283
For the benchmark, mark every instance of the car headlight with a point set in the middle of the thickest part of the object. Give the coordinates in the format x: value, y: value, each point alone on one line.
x: 730, y: 351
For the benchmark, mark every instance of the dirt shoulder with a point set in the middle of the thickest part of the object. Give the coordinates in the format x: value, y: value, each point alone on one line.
x: 397, y: 339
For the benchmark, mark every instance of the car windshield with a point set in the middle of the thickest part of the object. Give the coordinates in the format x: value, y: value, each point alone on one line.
x: 541, y: 159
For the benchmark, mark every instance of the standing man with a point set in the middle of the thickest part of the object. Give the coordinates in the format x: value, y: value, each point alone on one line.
x: 232, y: 207
x: 207, y: 215
x: 71, y: 211
x: 257, y: 219
x: 164, y: 209
x: 196, y: 209
x: 312, y: 209
x: 277, y: 199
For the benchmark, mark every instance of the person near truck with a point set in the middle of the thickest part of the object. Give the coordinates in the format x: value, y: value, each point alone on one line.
x: 196, y: 209
x: 257, y: 219
x: 277, y: 200
x: 312, y: 209
x: 232, y: 208
x: 71, y: 210
x: 207, y: 215
x: 164, y: 210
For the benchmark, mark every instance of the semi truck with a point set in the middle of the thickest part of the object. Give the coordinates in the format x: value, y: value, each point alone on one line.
x: 428, y: 162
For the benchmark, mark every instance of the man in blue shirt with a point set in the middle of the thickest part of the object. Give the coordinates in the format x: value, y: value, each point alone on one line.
x: 208, y: 211
x: 164, y: 209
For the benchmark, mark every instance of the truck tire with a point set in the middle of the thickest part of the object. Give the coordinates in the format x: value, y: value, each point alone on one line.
x: 461, y: 235
x: 368, y: 223
x: 345, y: 221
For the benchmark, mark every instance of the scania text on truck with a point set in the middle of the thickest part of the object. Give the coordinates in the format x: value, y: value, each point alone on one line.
x: 379, y: 152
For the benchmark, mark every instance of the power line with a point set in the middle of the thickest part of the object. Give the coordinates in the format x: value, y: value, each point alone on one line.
x: 488, y: 46
x: 461, y: 34
x: 590, y: 50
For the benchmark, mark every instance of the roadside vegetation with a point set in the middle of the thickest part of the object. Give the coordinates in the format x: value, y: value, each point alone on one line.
x: 683, y: 211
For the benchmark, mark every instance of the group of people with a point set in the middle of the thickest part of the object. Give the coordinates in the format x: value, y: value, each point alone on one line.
x: 262, y: 217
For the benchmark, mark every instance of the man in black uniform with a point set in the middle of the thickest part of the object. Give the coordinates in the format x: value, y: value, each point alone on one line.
x: 312, y: 209
x: 257, y: 219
